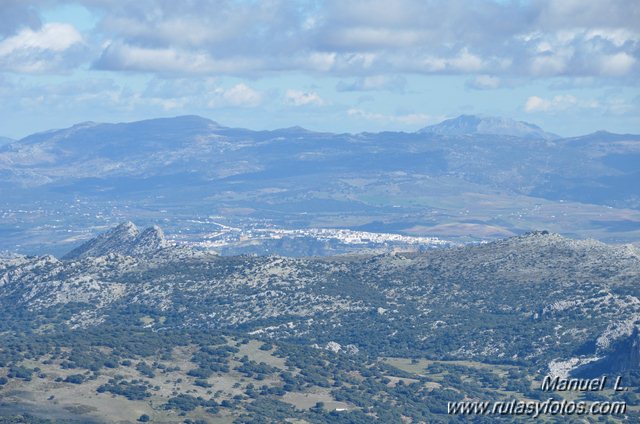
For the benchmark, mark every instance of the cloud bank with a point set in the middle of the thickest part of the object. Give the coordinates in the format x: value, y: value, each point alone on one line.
x: 346, y: 65
x: 538, y: 38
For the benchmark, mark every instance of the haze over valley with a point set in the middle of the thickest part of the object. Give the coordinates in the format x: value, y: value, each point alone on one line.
x: 467, y: 179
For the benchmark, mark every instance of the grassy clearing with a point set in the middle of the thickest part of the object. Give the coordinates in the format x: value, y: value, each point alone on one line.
x: 253, y: 351
x: 419, y: 367
x: 44, y: 396
x: 309, y: 399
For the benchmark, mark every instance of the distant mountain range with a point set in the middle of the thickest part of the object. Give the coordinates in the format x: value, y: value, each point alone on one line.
x: 490, y: 125
x: 468, y: 178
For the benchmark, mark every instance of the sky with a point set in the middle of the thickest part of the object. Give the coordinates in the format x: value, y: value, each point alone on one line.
x: 570, y: 66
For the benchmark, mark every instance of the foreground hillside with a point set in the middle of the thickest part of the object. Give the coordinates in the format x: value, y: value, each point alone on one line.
x: 128, y: 305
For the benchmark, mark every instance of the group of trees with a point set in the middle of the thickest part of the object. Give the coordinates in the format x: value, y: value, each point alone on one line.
x: 132, y: 390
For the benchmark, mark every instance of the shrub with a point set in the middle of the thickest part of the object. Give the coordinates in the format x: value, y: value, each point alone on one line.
x: 75, y: 379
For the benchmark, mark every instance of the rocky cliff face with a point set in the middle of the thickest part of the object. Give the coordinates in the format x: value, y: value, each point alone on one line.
x: 623, y: 356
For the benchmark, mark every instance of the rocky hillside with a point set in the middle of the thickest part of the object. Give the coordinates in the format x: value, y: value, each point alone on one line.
x: 125, y: 239
x: 537, y: 299
x: 622, y: 357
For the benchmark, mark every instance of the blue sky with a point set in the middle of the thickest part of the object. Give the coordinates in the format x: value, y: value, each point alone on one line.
x: 570, y: 66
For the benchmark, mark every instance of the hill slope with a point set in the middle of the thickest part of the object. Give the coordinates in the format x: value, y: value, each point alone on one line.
x: 128, y: 326
x: 446, y: 303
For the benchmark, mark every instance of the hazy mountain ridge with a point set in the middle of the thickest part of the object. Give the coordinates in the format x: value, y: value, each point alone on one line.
x: 417, y: 183
x: 189, y: 138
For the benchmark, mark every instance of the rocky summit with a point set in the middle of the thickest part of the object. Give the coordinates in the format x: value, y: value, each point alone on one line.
x: 492, y: 125
x: 125, y: 239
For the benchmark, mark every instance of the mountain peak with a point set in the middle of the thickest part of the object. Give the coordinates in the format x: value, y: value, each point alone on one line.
x: 128, y: 228
x: 150, y: 240
x: 474, y: 124
x: 125, y: 239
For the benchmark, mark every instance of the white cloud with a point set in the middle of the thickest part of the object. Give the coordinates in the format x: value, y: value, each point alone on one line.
x: 617, y: 64
x: 346, y: 38
x: 42, y: 50
x: 119, y: 56
x: 466, y: 62
x: 536, y: 104
x: 55, y: 37
x: 319, y: 61
x: 581, y: 52
x: 545, y: 38
x: 242, y: 95
x: 549, y: 65
x: 303, y: 98
x: 617, y: 36
x: 558, y: 103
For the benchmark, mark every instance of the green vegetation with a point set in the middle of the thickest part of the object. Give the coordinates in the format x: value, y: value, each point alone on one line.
x: 75, y: 379
x: 132, y: 390
x: 188, y: 403
x: 386, y: 339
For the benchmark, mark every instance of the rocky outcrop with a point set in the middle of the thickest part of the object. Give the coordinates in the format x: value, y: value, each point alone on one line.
x: 125, y: 239
x: 624, y: 356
